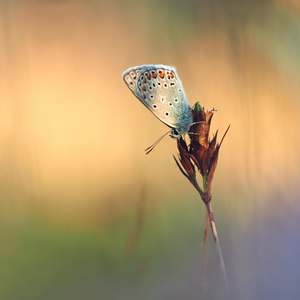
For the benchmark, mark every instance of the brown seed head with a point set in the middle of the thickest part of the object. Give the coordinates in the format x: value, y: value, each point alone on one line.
x: 201, y: 148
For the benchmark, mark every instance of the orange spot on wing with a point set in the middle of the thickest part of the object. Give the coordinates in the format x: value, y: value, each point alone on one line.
x: 144, y: 80
x: 144, y: 96
x: 143, y: 88
x: 172, y: 75
x: 148, y: 76
x: 154, y: 75
x: 162, y: 75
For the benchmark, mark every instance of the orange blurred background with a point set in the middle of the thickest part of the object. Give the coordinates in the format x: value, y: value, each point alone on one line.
x: 73, y: 136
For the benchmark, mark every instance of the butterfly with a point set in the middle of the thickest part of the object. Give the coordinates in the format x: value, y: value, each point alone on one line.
x: 159, y: 88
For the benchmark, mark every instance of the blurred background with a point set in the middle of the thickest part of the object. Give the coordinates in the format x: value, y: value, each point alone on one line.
x: 84, y: 213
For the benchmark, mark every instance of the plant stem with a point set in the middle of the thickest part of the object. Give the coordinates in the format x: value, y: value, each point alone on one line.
x: 204, y: 250
x: 216, y: 240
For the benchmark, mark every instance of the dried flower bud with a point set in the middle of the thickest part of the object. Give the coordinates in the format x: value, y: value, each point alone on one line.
x: 201, y: 148
x: 201, y: 152
x: 185, y: 158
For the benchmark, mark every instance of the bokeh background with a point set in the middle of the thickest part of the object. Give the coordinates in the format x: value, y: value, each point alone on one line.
x: 84, y: 213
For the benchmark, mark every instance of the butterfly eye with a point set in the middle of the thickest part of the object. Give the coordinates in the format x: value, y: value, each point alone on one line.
x: 175, y: 132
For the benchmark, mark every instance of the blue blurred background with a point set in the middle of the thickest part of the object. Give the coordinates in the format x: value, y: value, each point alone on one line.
x: 84, y: 213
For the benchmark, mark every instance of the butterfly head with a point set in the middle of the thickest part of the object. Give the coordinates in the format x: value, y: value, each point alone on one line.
x: 183, y: 128
x: 175, y: 134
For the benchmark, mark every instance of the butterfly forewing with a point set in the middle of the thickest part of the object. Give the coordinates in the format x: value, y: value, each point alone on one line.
x: 160, y: 90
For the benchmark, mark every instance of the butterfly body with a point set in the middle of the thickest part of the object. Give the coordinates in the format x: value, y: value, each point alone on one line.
x: 159, y: 88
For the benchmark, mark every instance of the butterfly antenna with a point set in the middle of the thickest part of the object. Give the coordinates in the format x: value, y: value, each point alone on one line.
x: 149, y: 149
x: 194, y: 95
x: 196, y: 102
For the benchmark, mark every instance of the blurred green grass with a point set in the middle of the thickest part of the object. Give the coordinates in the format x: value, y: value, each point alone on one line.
x: 40, y: 260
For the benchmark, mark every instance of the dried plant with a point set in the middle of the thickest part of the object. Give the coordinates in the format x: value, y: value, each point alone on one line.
x: 202, y: 154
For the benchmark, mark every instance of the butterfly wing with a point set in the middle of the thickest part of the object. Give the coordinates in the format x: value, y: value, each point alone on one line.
x: 130, y: 78
x: 159, y: 88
